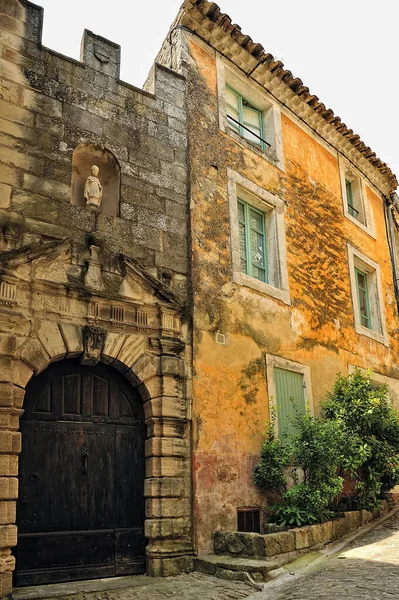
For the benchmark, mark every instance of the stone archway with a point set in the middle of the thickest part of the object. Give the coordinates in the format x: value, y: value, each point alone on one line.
x: 156, y: 367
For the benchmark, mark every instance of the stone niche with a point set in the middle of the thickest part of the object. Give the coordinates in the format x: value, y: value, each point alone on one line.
x: 83, y: 158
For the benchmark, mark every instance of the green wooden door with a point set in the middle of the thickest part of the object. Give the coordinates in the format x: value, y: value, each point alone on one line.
x: 290, y: 397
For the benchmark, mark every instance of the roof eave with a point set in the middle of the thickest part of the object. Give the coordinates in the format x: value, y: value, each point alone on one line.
x: 216, y: 28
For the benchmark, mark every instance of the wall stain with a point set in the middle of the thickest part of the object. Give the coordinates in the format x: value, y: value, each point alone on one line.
x: 248, y: 380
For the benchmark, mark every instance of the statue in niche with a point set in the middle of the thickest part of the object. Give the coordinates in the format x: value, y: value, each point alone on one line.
x: 93, y: 188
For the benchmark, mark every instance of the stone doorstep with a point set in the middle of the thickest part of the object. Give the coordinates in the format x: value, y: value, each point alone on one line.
x: 72, y: 588
x: 228, y: 567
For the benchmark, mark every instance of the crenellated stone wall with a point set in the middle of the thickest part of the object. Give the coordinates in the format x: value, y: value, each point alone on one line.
x: 66, y: 267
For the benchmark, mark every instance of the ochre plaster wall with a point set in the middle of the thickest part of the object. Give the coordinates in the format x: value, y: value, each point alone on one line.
x: 230, y: 385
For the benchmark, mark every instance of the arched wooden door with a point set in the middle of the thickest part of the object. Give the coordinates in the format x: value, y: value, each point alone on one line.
x: 80, y: 511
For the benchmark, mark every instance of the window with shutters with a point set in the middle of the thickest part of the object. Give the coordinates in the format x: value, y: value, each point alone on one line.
x: 290, y: 399
x: 354, y: 197
x: 257, y: 237
x: 363, y: 298
x: 356, y: 207
x: 290, y: 391
x: 368, y: 309
x: 245, y: 118
x: 252, y: 231
x: 248, y: 114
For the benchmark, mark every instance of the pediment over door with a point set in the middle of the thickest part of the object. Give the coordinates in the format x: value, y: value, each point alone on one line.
x: 138, y: 284
x: 42, y: 279
x: 49, y: 261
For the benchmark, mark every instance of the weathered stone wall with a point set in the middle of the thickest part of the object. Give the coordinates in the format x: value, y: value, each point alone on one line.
x: 316, y: 329
x: 65, y: 266
x: 50, y: 105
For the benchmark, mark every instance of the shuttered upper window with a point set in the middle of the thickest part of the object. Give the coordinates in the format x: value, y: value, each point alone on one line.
x: 354, y: 197
x: 290, y: 399
x: 257, y: 237
x: 356, y: 204
x: 349, y: 197
x: 252, y: 233
x: 363, y: 298
x: 246, y: 119
x: 367, y: 296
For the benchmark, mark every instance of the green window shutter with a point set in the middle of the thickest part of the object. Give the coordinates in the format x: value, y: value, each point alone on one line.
x: 349, y: 197
x: 252, y: 234
x: 289, y: 385
x: 252, y: 119
x: 242, y: 236
x: 363, y: 298
x: 242, y: 116
x: 258, y: 247
x: 234, y: 107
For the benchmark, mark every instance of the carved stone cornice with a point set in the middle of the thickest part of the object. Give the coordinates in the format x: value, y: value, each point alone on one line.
x: 159, y: 290
x: 15, y: 258
x: 167, y: 345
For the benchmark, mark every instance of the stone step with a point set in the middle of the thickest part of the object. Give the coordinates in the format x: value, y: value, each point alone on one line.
x: 251, y: 570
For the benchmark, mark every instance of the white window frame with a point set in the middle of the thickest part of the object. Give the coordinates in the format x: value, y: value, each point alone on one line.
x: 273, y: 207
x: 358, y: 260
x: 279, y: 362
x: 227, y: 74
x: 349, y: 172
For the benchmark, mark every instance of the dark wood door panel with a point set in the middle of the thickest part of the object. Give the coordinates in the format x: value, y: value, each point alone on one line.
x: 71, y: 391
x: 61, y: 468
x: 66, y: 556
x: 129, y: 551
x: 66, y: 549
x: 80, y: 510
x: 62, y: 574
x: 129, y: 477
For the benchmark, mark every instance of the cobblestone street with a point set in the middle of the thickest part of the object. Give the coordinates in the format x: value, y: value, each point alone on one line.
x: 368, y: 569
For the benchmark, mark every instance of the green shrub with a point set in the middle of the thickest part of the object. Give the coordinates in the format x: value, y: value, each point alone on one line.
x: 357, y: 435
x: 316, y: 454
x: 304, y: 504
x: 275, y: 457
x: 371, y: 428
x: 317, y: 448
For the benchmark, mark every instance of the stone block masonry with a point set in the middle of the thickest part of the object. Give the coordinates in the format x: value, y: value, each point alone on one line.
x: 284, y: 544
x: 85, y: 105
x: 52, y: 110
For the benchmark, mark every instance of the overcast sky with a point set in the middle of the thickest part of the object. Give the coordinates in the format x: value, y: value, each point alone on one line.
x: 345, y: 51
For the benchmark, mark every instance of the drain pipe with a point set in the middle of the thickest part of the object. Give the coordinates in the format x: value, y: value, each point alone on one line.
x: 391, y: 204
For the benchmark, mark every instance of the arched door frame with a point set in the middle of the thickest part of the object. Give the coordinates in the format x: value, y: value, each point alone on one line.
x: 82, y: 462
x: 156, y: 367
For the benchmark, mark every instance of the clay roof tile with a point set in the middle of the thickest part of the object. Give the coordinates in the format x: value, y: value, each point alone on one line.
x: 212, y: 11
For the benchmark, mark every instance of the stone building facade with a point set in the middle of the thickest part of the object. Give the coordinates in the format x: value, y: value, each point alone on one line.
x: 97, y: 293
x: 170, y: 259
x: 289, y: 215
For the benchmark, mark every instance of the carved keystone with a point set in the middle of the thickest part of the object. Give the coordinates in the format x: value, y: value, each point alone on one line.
x: 93, y: 344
